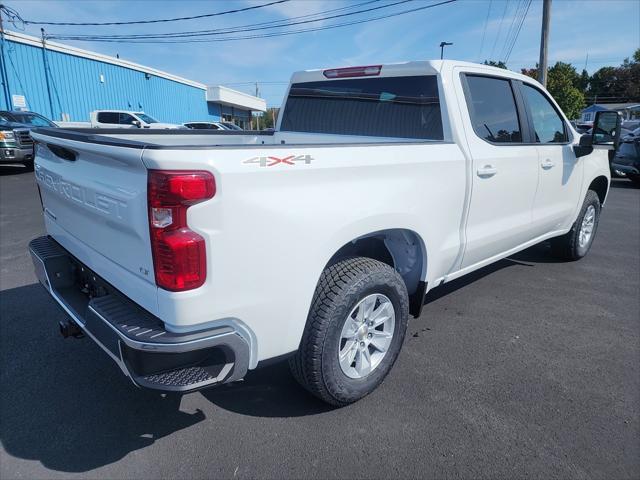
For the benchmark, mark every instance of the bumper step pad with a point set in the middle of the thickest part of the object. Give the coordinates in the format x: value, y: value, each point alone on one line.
x: 180, y: 378
x: 139, y: 325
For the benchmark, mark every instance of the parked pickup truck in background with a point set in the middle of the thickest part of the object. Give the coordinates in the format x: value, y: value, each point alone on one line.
x: 193, y: 256
x: 627, y: 158
x: 16, y: 145
x: 120, y: 119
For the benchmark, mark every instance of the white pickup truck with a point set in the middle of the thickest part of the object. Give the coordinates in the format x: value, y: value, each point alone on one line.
x: 120, y: 119
x: 192, y: 256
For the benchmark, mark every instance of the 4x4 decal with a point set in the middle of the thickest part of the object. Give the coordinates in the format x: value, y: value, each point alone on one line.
x: 271, y: 160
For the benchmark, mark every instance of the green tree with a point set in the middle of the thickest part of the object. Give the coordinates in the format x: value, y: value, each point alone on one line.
x: 563, y: 84
x: 268, y: 118
x: 530, y: 72
x: 566, y: 70
x: 605, y: 84
x: 493, y: 63
x: 630, y: 77
x: 617, y: 84
x: 584, y: 81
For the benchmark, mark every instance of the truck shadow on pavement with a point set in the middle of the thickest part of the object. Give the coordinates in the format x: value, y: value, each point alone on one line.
x: 6, y: 170
x: 623, y: 183
x: 64, y: 402
x: 540, y: 253
x: 267, y: 392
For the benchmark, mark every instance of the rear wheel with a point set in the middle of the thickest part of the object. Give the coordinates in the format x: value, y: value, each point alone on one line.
x: 576, y: 243
x: 354, y: 331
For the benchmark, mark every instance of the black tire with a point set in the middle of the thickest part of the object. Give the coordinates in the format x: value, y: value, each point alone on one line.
x: 634, y: 178
x: 567, y: 247
x: 28, y: 165
x: 341, y: 287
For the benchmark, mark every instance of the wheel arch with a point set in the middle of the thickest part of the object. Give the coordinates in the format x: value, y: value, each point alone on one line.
x: 401, y: 248
x: 600, y: 185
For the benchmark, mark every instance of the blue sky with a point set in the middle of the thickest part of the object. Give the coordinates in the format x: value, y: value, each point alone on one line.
x: 606, y: 30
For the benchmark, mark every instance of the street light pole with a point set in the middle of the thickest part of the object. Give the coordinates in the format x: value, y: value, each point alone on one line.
x: 442, y: 45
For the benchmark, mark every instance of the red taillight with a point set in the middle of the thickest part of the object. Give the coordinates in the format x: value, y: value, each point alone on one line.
x: 179, y: 254
x: 368, y: 71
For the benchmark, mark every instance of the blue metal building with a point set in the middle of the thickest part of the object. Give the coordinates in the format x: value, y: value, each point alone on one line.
x: 66, y: 83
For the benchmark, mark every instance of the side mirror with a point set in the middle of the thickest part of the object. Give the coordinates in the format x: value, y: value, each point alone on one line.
x: 606, y: 130
x: 136, y: 123
x: 585, y: 147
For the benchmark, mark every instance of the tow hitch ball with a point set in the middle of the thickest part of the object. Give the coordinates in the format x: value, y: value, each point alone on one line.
x: 69, y: 328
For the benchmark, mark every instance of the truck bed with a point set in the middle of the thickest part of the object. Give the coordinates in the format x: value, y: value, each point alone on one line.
x: 147, y: 138
x: 158, y: 139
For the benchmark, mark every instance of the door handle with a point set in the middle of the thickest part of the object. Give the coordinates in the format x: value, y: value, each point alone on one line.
x: 487, y: 171
x: 547, y: 164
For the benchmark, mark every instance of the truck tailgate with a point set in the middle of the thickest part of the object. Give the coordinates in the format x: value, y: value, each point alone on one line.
x: 96, y: 194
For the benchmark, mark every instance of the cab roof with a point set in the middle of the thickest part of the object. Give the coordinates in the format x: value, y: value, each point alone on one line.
x: 420, y: 67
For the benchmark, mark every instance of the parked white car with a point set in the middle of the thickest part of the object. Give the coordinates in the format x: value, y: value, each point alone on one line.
x: 213, y: 126
x: 232, y: 126
x: 120, y: 119
x: 205, y: 126
x: 191, y: 259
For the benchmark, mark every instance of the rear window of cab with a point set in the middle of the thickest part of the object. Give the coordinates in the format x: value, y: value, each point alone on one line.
x: 398, y: 107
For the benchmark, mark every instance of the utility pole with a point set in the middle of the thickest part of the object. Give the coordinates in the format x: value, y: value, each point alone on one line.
x: 442, y: 45
x: 544, y: 42
x: 3, y: 71
x: 46, y: 72
x: 257, y: 116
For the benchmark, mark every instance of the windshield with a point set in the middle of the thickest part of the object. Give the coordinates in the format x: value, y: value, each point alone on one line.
x: 231, y: 126
x: 33, y: 119
x: 146, y: 118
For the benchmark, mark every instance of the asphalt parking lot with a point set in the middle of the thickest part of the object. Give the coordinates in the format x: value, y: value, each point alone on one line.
x: 529, y: 368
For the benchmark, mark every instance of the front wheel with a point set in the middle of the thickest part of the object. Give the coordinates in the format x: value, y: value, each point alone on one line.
x: 354, y: 332
x: 576, y: 243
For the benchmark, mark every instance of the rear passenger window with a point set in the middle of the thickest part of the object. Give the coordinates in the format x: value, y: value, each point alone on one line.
x: 108, y: 117
x: 547, y: 123
x: 401, y: 107
x: 493, y: 109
